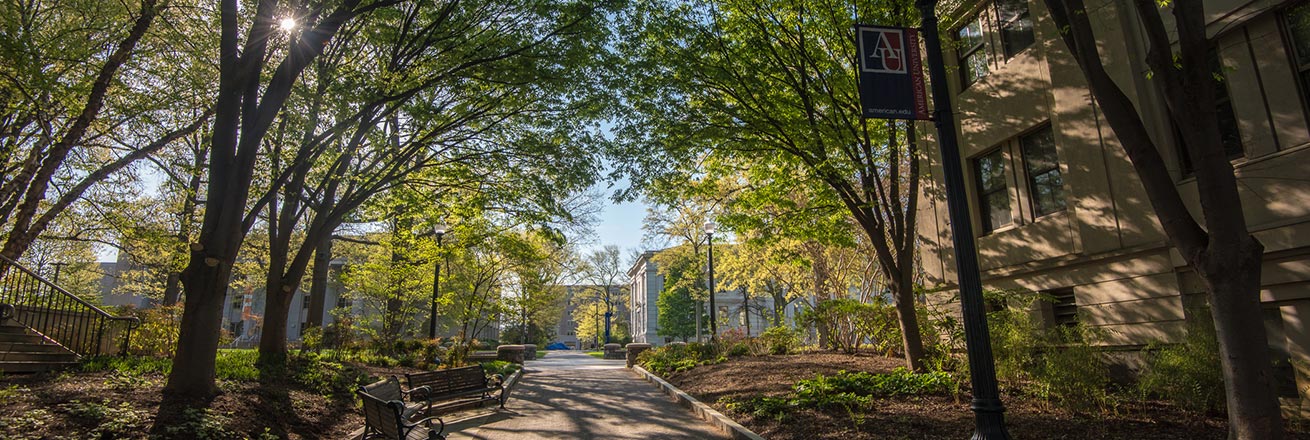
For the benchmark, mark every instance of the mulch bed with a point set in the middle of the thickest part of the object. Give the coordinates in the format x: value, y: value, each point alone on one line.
x: 244, y: 409
x: 926, y: 417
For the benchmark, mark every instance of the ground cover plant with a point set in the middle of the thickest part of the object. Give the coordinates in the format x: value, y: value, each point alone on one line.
x: 119, y: 397
x: 875, y: 399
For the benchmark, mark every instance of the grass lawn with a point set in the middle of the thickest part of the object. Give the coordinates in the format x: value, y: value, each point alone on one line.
x: 596, y: 354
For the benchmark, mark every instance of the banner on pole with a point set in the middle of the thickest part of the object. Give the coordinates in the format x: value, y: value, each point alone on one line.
x: 891, y: 73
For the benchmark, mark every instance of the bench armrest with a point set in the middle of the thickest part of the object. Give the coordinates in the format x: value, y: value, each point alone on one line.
x: 419, y: 393
x: 428, y: 421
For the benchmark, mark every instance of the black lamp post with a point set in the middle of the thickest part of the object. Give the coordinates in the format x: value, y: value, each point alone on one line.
x: 439, y: 230
x: 714, y: 315
x: 989, y: 413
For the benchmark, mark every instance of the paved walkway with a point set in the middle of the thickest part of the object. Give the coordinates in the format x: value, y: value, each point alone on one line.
x: 570, y: 395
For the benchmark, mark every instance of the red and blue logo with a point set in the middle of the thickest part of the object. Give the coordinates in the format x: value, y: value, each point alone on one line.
x: 883, y: 49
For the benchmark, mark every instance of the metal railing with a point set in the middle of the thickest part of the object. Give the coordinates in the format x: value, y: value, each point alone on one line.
x: 60, y: 315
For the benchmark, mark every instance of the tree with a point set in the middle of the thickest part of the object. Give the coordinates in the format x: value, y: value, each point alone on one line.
x: 677, y: 304
x: 604, y: 269
x: 773, y: 83
x: 74, y: 104
x: 1223, y: 253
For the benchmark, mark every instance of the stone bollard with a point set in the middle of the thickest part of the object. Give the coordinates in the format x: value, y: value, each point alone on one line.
x: 530, y: 352
x: 613, y: 351
x: 635, y: 349
x: 510, y: 353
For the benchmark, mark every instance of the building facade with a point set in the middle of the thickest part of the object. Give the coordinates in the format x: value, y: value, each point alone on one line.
x: 734, y: 311
x: 1057, y: 206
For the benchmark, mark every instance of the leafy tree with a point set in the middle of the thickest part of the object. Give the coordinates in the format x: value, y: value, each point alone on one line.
x: 1217, y: 246
x: 81, y: 98
x: 677, y: 304
x: 605, y: 270
x: 773, y: 84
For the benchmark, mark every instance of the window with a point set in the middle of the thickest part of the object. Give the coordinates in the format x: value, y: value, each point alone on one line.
x: 972, y: 58
x: 1042, y: 165
x: 1297, y: 22
x: 993, y: 199
x: 1015, y: 25
x: 1064, y: 308
x: 1228, y: 130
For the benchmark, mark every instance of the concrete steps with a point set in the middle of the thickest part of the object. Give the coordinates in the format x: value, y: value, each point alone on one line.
x: 24, y: 351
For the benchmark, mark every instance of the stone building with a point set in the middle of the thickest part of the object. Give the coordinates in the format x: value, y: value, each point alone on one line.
x: 1056, y: 204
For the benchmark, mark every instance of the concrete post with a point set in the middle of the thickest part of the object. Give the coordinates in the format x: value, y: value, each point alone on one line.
x: 510, y: 353
x: 635, y: 349
x: 530, y: 352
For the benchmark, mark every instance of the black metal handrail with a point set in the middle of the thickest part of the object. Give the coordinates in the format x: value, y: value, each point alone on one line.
x: 60, y: 315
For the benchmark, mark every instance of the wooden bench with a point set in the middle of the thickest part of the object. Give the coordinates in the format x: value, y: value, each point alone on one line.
x: 386, y: 419
x: 455, y: 388
x: 388, y: 390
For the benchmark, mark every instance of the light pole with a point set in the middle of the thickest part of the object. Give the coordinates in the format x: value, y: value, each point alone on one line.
x: 989, y: 413
x: 714, y: 327
x: 439, y: 230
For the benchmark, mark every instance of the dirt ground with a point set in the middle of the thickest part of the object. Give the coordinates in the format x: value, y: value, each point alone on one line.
x: 40, y: 407
x: 927, y: 417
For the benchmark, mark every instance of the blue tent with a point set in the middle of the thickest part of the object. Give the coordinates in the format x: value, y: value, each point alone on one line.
x: 557, y: 346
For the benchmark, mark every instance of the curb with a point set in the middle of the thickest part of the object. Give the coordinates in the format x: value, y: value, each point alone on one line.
x: 702, y: 410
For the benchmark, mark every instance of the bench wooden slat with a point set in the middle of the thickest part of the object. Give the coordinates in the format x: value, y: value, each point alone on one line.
x: 447, y: 385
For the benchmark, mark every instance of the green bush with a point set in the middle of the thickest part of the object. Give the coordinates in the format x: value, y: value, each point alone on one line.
x: 1187, y: 374
x: 739, y: 349
x: 851, y: 392
x: 157, y: 335
x: 502, y: 368
x: 1056, y: 365
x: 780, y: 340
x: 777, y: 408
x: 677, y: 358
x: 850, y: 323
x: 314, y: 373
x: 236, y: 364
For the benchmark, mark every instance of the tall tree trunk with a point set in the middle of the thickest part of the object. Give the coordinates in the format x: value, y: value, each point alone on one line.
x: 1224, y: 255
x: 318, y: 282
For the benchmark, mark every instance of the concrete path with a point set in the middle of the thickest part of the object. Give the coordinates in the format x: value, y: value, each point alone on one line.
x: 570, y: 395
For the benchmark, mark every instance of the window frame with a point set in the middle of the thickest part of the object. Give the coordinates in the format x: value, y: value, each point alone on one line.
x: 1298, y: 67
x: 983, y: 192
x: 1030, y: 175
x: 963, y: 54
x: 1002, y: 25
x: 1223, y: 100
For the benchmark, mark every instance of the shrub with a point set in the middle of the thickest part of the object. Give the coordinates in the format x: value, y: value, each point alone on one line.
x: 236, y: 364
x: 1187, y: 374
x: 325, y: 377
x: 676, y: 358
x: 780, y: 340
x: 1056, y: 365
x: 777, y: 408
x: 850, y: 323
x: 157, y: 335
x: 502, y: 368
x: 739, y: 349
x: 848, y: 391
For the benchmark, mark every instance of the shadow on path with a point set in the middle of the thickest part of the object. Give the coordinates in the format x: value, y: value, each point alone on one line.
x: 574, y: 396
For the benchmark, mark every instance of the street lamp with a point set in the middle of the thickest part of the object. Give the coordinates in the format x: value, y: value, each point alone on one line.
x: 714, y: 328
x: 989, y: 412
x: 439, y: 230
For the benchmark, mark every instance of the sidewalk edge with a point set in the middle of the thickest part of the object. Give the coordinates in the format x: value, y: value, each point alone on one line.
x: 702, y: 410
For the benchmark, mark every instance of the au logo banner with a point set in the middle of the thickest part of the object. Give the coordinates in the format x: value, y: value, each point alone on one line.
x: 891, y: 73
